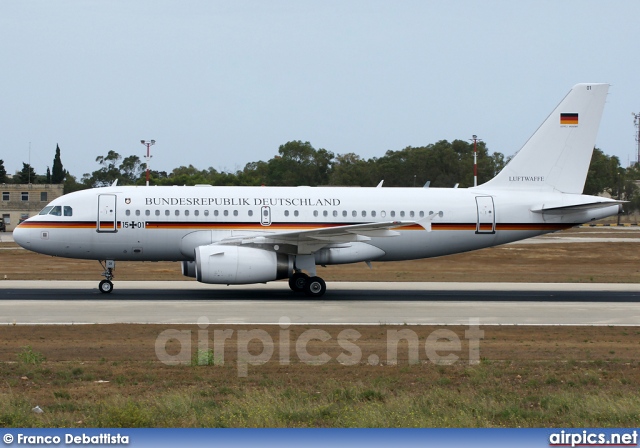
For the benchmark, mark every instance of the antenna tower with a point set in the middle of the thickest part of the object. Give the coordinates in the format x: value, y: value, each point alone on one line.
x: 636, y: 123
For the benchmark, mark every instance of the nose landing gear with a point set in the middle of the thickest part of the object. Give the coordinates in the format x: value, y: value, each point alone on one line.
x: 106, y: 286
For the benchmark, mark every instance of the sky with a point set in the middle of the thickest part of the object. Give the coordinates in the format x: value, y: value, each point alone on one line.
x: 223, y: 83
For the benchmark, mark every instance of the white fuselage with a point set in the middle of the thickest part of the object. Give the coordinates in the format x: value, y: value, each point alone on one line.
x: 167, y: 223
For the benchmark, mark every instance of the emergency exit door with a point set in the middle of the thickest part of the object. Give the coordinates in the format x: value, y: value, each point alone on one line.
x: 265, y: 216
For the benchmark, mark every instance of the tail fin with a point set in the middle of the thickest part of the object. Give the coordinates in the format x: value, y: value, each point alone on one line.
x: 558, y: 154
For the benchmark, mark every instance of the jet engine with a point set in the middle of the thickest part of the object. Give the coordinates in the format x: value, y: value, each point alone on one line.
x: 237, y: 265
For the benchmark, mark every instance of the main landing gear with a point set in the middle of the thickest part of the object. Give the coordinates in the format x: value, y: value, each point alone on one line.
x: 311, y: 286
x: 106, y: 286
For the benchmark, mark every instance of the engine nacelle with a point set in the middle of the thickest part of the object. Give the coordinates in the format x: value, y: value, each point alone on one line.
x: 237, y: 265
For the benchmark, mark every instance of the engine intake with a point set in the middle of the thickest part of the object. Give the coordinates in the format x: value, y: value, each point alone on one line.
x: 237, y: 265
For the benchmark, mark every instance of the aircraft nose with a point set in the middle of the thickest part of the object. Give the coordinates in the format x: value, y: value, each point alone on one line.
x: 21, y: 236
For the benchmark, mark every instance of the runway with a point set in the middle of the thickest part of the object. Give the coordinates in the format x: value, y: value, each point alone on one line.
x: 49, y: 302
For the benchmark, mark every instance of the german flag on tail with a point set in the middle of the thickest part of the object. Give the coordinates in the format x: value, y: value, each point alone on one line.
x: 569, y: 119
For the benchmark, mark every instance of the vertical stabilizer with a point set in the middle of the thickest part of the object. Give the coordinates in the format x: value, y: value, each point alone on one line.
x: 558, y: 154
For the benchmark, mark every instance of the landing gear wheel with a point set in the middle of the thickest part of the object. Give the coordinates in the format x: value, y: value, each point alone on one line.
x: 105, y: 286
x: 315, y: 287
x: 297, y: 281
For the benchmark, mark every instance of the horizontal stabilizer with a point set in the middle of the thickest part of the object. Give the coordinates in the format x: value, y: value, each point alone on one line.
x: 577, y: 207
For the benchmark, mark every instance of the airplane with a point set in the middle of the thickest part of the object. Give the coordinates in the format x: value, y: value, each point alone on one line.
x: 245, y: 235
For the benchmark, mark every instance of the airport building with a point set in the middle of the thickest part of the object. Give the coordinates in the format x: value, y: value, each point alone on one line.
x: 21, y: 201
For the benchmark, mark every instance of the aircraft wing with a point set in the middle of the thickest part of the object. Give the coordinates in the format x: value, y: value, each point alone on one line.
x: 308, y: 241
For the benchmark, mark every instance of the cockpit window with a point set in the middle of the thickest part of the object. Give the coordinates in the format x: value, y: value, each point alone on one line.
x: 56, y: 211
x: 68, y: 211
x: 46, y: 210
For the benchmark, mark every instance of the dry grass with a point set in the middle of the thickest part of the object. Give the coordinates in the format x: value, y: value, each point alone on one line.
x: 528, y: 376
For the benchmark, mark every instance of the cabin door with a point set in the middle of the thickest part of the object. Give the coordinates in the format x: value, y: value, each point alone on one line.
x: 486, y: 215
x: 107, y: 213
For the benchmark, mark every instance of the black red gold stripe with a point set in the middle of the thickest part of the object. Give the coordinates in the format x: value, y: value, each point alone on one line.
x: 66, y: 224
x: 168, y: 225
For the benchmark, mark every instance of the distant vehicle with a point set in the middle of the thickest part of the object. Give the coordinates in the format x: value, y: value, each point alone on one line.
x: 239, y: 235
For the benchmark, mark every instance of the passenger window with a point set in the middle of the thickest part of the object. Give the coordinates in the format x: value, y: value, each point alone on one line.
x: 147, y: 212
x: 196, y: 212
x: 354, y: 213
x: 344, y: 213
x: 412, y: 214
x: 127, y: 212
x: 226, y: 213
x: 206, y: 213
x: 315, y: 213
x: 137, y: 212
x: 186, y: 213
x: 177, y: 212
x: 250, y: 212
x: 422, y: 214
x: 364, y: 213
x: 383, y: 214
x: 235, y: 213
x: 335, y: 213
x: 216, y: 213
x: 56, y: 211
x: 167, y: 212
x: 157, y: 212
x: 402, y: 214
x: 373, y: 214
x: 286, y: 213
x: 295, y: 213
x: 325, y: 213
x: 393, y: 214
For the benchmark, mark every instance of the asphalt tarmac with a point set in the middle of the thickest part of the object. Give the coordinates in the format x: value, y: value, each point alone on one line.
x: 352, y: 303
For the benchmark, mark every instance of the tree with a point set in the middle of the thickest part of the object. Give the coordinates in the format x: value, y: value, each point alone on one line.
x: 48, y: 176
x: 57, y: 173
x: 299, y: 163
x: 350, y: 170
x: 27, y: 175
x: 105, y: 175
x: 71, y: 184
x: 603, y: 174
x: 3, y: 173
x: 131, y: 168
